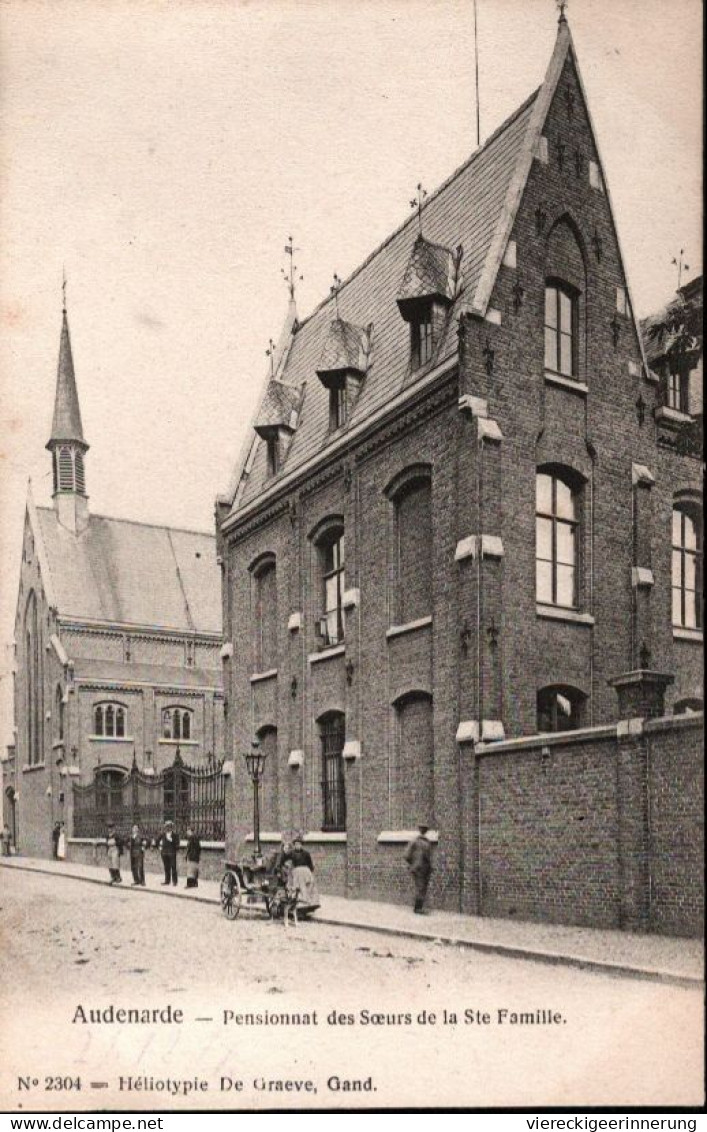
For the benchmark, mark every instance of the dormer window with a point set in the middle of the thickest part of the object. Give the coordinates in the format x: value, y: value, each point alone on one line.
x: 427, y: 292
x: 277, y: 421
x: 342, y: 367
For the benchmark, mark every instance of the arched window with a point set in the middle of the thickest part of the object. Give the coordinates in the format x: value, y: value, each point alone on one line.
x: 412, y: 551
x: 556, y: 539
x: 561, y: 328
x: 687, y: 567
x: 66, y: 470
x: 110, y: 721
x: 560, y: 708
x: 34, y: 682
x: 332, y: 731
x: 331, y: 551
x: 415, y: 760
x: 109, y: 798
x: 265, y: 616
x: 269, y: 788
x: 176, y: 723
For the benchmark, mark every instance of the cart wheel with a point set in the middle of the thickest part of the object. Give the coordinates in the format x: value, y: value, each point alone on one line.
x: 230, y: 896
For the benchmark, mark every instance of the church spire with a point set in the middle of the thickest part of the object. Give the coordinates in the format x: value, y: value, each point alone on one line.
x: 66, y: 443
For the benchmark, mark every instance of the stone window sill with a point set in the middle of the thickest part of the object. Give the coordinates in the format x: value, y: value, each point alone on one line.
x: 111, y: 739
x: 179, y: 742
x: 409, y: 627
x: 404, y: 836
x: 672, y: 416
x: 570, y: 383
x: 680, y: 634
x: 326, y: 654
x: 27, y: 768
x: 268, y: 675
x: 557, y: 613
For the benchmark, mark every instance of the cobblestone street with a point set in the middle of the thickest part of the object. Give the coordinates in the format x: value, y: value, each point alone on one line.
x: 594, y: 1039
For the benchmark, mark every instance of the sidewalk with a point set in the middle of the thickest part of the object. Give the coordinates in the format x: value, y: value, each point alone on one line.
x: 678, y: 961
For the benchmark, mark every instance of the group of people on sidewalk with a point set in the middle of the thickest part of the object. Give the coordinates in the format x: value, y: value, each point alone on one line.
x: 291, y: 858
x: 168, y: 844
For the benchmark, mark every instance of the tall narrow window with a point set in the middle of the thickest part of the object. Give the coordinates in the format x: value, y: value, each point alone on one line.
x: 34, y: 684
x: 59, y: 715
x: 332, y: 552
x: 559, y: 708
x: 413, y: 551
x: 556, y: 534
x: 337, y: 405
x: 98, y: 721
x: 273, y: 454
x: 265, y: 616
x: 687, y: 568
x: 79, y: 471
x: 560, y: 329
x: 66, y: 470
x: 421, y: 338
x: 677, y: 387
x: 332, y: 731
x: 414, y: 761
x: 270, y: 818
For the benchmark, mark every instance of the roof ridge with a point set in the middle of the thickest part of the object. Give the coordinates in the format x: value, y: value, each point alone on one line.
x: 142, y: 523
x: 413, y: 218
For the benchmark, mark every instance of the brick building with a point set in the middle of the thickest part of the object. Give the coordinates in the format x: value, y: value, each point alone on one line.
x: 117, y: 641
x: 459, y: 512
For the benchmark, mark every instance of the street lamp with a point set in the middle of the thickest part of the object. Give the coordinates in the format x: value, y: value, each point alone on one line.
x: 255, y: 763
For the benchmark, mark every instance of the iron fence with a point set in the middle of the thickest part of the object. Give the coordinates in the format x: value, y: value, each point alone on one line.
x: 187, y: 795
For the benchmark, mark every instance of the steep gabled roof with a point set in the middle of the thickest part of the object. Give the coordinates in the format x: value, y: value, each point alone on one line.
x: 475, y: 208
x: 66, y: 423
x: 132, y: 573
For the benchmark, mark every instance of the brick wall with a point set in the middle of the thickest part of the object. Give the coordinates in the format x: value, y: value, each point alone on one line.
x: 590, y: 828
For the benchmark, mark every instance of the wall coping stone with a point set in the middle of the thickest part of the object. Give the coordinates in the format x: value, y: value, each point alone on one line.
x: 550, y: 739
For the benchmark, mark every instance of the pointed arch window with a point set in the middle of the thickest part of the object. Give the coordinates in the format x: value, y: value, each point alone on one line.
x: 560, y: 708
x: 59, y: 714
x: 412, y: 546
x: 265, y: 614
x: 34, y: 683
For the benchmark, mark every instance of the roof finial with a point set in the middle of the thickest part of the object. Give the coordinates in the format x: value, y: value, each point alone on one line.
x: 418, y: 202
x: 334, y: 290
x: 270, y: 353
x: 562, y: 4
x: 63, y: 289
x: 290, y: 275
x: 681, y: 266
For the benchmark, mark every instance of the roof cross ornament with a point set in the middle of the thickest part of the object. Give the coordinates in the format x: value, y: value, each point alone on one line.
x: 270, y: 353
x: 334, y: 291
x: 561, y: 5
x: 418, y: 202
x: 290, y: 274
x: 681, y: 266
x: 63, y: 289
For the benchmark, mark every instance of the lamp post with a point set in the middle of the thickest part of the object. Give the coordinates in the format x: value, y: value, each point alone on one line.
x: 255, y: 763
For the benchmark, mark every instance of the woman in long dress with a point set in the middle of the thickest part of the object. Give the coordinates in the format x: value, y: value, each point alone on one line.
x: 302, y: 878
x: 114, y: 845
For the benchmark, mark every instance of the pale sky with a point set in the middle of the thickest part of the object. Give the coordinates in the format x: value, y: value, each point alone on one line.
x: 163, y: 150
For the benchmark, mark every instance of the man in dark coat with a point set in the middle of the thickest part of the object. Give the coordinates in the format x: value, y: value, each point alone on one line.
x: 138, y: 845
x: 419, y: 859
x: 168, y: 846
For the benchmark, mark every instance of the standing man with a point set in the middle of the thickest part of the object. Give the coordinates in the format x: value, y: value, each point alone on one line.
x: 419, y: 859
x: 55, y: 839
x: 137, y: 856
x: 169, y: 844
